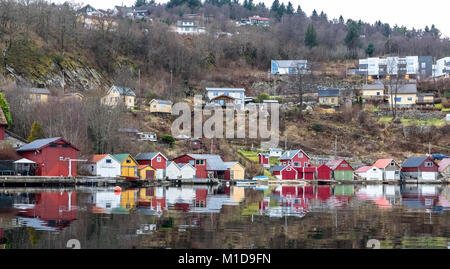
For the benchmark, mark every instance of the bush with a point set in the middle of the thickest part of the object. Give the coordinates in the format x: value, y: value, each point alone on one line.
x: 168, y: 139
x: 317, y: 127
x: 261, y: 97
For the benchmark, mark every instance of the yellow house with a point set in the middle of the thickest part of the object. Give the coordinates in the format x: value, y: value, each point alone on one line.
x: 425, y: 98
x: 236, y: 170
x: 160, y: 106
x: 373, y: 91
x: 128, y: 199
x: 128, y: 165
x: 38, y: 94
x: 119, y: 95
x: 146, y: 172
x: 329, y: 97
x: 73, y: 95
x: 406, y: 95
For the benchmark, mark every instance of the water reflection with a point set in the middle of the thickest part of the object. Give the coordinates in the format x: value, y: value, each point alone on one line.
x: 220, y: 216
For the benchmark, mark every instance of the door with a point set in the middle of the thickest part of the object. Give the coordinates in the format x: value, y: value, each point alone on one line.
x: 150, y: 174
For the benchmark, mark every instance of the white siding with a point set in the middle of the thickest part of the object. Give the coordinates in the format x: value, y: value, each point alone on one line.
x: 105, y: 169
x: 173, y: 171
x: 187, y: 172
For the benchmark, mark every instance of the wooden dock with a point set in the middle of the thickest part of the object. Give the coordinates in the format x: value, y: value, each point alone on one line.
x: 59, y: 181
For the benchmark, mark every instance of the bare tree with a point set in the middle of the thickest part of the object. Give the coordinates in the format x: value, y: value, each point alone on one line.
x: 302, y: 82
x: 395, y: 79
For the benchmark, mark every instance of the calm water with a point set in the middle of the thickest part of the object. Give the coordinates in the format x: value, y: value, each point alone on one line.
x: 343, y: 216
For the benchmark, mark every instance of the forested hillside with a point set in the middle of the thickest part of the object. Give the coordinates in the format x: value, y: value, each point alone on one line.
x: 42, y: 42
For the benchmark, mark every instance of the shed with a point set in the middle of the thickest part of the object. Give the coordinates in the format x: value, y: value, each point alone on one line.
x: 146, y: 172
x: 423, y: 168
x: 370, y: 173
x: 341, y: 169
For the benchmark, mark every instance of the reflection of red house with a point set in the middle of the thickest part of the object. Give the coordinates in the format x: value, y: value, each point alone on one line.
x: 182, y: 207
x: 51, y: 155
x: 200, y: 197
x: 58, y: 209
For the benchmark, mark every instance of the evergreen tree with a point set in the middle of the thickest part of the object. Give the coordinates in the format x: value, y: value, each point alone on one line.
x: 341, y: 19
x: 290, y: 9
x: 314, y: 14
x: 275, y: 6
x: 352, y: 38
x: 370, y: 50
x: 6, y: 110
x: 35, y: 132
x: 323, y: 16
x: 311, y: 37
x: 281, y: 11
x: 140, y: 3
x: 299, y: 10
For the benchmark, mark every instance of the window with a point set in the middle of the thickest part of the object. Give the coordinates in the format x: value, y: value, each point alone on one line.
x: 392, y: 164
x: 343, y: 165
x: 216, y: 94
x: 288, y: 169
x: 428, y: 164
x: 53, y: 145
x: 199, y: 162
x: 154, y: 106
x: 108, y: 161
x: 128, y: 161
x: 300, y: 155
x: 409, y: 98
x: 378, y: 93
x: 297, y: 164
x: 129, y: 100
x: 332, y: 100
x: 158, y: 159
x: 398, y: 99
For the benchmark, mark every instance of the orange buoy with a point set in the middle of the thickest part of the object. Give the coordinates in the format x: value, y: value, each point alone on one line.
x: 117, y: 189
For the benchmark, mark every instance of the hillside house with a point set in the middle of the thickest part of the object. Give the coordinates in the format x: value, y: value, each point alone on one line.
x: 12, y: 139
x: 442, y: 67
x: 52, y: 156
x: 38, y: 95
x: 389, y: 167
x: 195, y: 143
x: 329, y: 97
x: 423, y: 168
x: 128, y: 165
x: 190, y: 24
x: 373, y: 92
x: 295, y: 158
x: 119, y: 95
x: 341, y: 169
x: 263, y: 159
x: 224, y: 96
x: 425, y: 99
x: 103, y: 165
x: 288, y: 67
x: 370, y: 173
x: 406, y: 95
x: 275, y: 152
x: 73, y: 96
x: 160, y: 106
x: 89, y: 10
x: 257, y: 20
x: 156, y: 160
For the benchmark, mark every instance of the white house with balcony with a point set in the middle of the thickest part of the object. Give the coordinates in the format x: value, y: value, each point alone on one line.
x: 224, y: 96
x: 189, y: 27
x: 442, y: 67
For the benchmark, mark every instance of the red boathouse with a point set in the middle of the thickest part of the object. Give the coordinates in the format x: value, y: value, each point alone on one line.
x: 52, y: 156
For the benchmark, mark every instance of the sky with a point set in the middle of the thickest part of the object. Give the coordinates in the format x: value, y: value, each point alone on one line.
x: 410, y: 13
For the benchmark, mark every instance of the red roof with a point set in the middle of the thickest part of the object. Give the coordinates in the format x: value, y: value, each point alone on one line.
x: 382, y: 163
x: 444, y: 164
x: 258, y: 18
x: 333, y: 164
x: 97, y: 157
x: 363, y: 169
